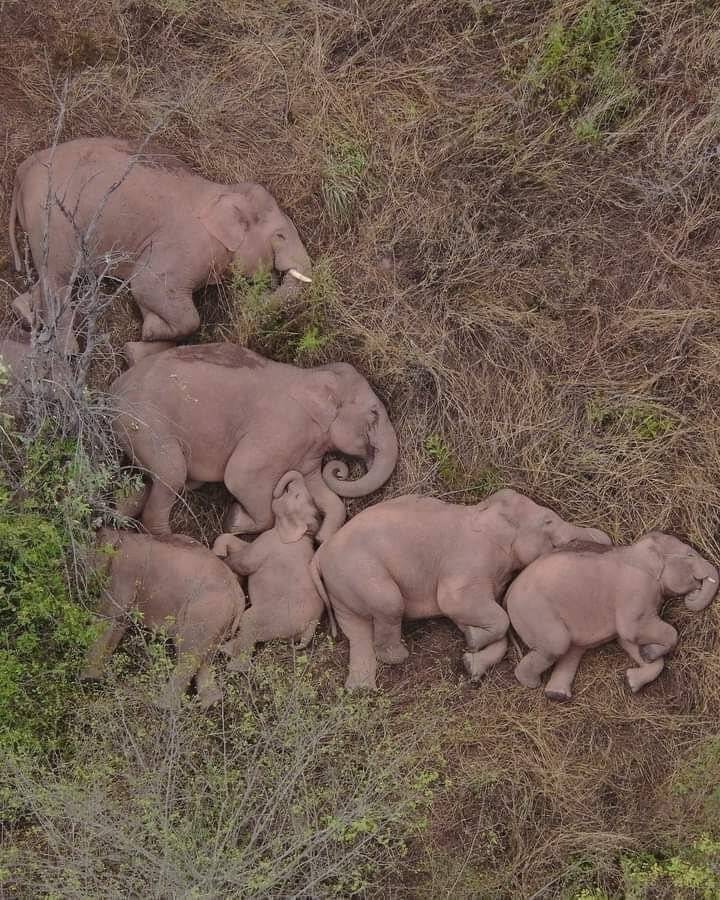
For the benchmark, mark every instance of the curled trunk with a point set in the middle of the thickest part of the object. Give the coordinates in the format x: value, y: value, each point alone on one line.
x: 383, y: 461
x: 702, y: 596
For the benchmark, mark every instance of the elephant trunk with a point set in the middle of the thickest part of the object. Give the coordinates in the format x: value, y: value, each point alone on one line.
x: 701, y: 597
x: 382, y: 459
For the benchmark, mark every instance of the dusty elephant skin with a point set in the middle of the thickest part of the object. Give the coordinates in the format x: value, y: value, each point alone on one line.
x: 219, y: 412
x: 575, y: 599
x: 417, y: 557
x: 177, y: 584
x: 142, y: 216
x: 283, y: 598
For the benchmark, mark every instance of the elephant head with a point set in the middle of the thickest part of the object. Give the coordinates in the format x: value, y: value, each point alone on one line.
x: 681, y: 571
x: 295, y: 513
x: 249, y: 223
x: 526, y: 530
x: 361, y: 428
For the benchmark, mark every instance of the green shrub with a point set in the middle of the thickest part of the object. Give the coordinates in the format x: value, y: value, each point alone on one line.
x: 295, y: 789
x: 45, y: 624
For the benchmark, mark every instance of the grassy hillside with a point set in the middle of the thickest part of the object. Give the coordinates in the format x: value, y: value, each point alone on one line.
x: 513, y: 207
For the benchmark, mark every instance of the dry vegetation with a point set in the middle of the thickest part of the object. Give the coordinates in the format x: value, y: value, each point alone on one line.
x: 514, y: 208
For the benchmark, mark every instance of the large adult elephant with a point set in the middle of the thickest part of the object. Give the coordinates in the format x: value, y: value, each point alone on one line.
x: 135, y: 213
x: 219, y: 412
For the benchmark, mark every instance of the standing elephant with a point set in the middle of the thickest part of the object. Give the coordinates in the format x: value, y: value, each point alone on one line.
x: 176, y: 584
x: 575, y: 599
x: 417, y: 557
x: 108, y: 206
x: 284, y: 600
x: 219, y: 412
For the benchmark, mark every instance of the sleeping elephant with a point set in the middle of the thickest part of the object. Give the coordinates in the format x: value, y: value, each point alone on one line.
x: 117, y: 209
x: 417, y: 557
x: 284, y: 600
x: 219, y: 412
x: 177, y: 584
x: 578, y: 598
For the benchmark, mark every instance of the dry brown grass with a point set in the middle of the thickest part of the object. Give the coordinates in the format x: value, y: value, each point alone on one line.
x: 547, y: 306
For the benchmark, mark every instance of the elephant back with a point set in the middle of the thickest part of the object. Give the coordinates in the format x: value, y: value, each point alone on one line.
x: 231, y: 356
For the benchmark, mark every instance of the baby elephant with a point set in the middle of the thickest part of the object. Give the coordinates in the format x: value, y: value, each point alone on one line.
x: 178, y: 584
x: 577, y: 598
x: 284, y: 601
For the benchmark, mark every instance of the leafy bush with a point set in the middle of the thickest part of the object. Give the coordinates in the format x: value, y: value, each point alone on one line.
x: 296, y: 789
x: 45, y: 624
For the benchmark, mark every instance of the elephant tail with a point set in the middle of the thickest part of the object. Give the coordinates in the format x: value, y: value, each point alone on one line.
x: 320, y: 588
x: 11, y: 231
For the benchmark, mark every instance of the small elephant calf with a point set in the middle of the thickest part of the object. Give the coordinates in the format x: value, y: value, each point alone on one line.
x: 178, y: 584
x: 576, y: 598
x: 284, y: 601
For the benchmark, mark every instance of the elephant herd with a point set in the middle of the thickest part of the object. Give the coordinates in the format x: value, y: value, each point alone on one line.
x: 188, y: 415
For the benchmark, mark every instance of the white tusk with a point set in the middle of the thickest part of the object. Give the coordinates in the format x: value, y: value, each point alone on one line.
x: 299, y: 276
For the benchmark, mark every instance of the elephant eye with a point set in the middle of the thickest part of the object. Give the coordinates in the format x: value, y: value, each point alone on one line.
x: 280, y: 236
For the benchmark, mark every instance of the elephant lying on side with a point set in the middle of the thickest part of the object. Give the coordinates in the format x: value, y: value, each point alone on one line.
x: 177, y: 584
x: 417, y: 557
x: 575, y: 599
x: 218, y: 412
x: 114, y: 208
x: 284, y: 601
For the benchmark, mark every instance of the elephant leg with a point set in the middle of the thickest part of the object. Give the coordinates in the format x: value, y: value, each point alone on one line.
x: 187, y: 666
x: 655, y: 639
x: 168, y: 313
x: 387, y: 624
x: 483, y: 622
x: 169, y: 474
x: 531, y: 667
x: 645, y: 672
x: 307, y: 635
x: 208, y: 690
x: 363, y: 663
x: 559, y: 687
x: 103, y: 647
x: 240, y: 648
x: 254, y: 512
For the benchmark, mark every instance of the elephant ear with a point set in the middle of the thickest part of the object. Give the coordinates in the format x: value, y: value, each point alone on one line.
x: 225, y: 219
x: 320, y: 401
x: 495, y: 511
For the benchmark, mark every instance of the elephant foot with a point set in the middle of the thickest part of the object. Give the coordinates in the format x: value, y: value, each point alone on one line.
x: 634, y: 680
x: 475, y: 665
x: 651, y: 652
x: 558, y: 694
x: 526, y: 679
x: 357, y: 681
x: 209, y: 696
x: 392, y: 655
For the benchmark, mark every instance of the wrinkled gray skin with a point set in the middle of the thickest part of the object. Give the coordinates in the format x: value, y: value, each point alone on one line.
x: 168, y: 231
x: 218, y: 412
x: 178, y: 585
x: 284, y: 601
x: 417, y: 557
x: 570, y: 601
